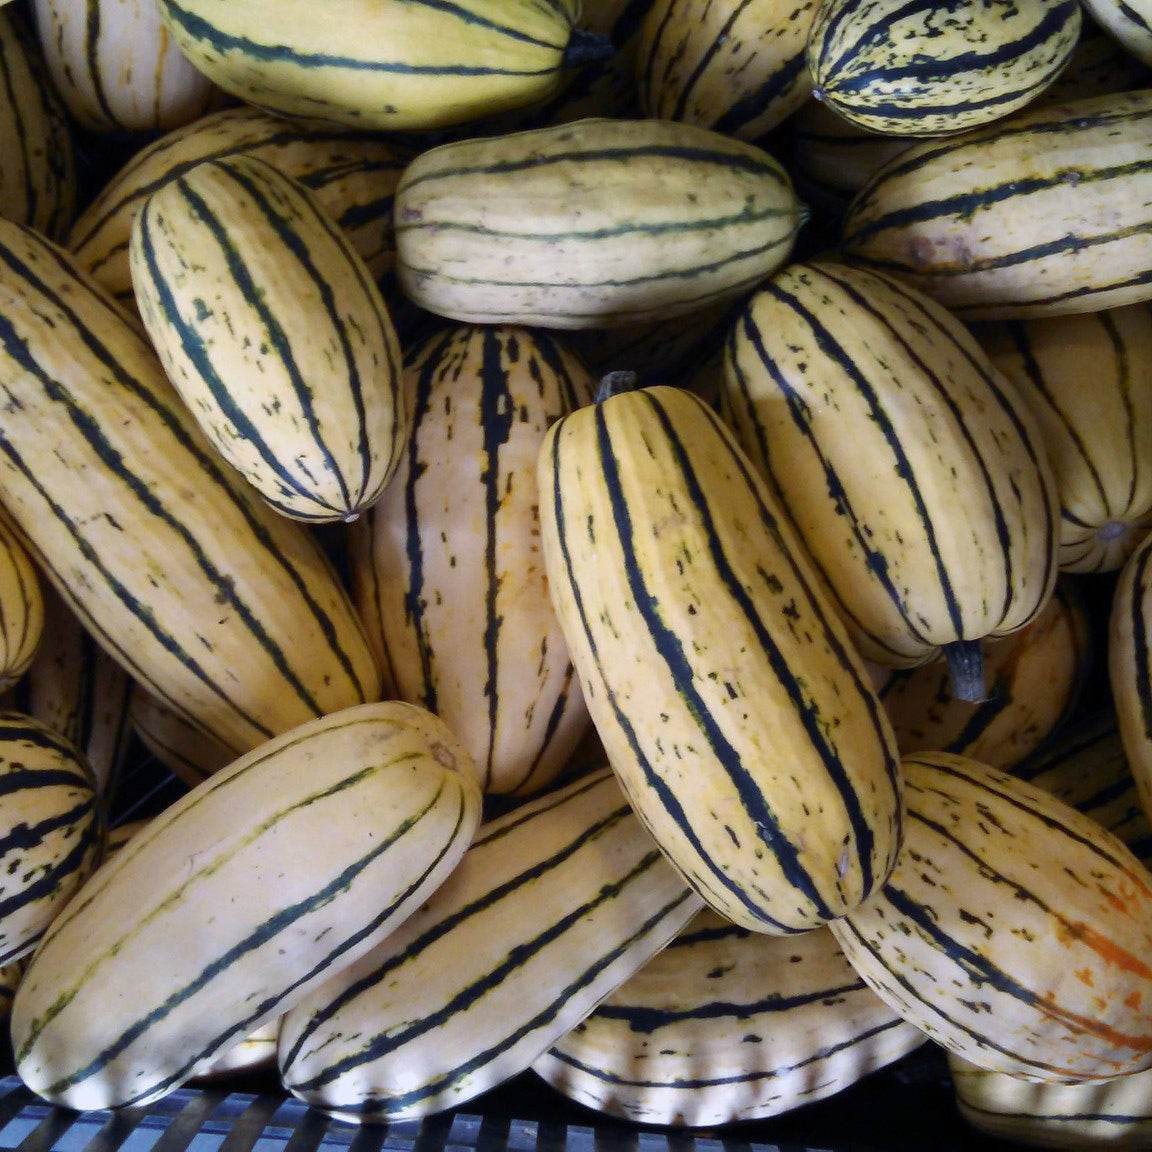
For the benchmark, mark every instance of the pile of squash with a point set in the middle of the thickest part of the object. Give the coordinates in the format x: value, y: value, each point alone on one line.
x: 631, y: 528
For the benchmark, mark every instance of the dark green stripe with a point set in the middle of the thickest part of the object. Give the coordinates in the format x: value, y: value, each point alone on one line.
x: 92, y: 58
x: 1009, y: 405
x: 932, y: 1008
x: 965, y: 206
x: 615, y: 231
x: 748, y: 790
x: 715, y: 881
x: 497, y: 416
x: 924, y: 318
x: 192, y: 344
x: 777, y: 242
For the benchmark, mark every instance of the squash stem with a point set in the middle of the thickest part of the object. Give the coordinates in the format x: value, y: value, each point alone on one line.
x: 585, y: 47
x: 613, y: 383
x: 966, y: 668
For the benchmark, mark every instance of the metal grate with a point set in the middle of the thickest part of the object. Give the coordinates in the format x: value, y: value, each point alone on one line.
x: 205, y: 1120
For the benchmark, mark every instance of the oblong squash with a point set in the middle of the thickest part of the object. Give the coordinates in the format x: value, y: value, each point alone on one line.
x: 51, y: 830
x: 1099, y: 439
x: 378, y: 64
x: 270, y: 327
x: 116, y: 67
x: 727, y: 1025
x: 594, y: 224
x: 553, y: 906
x: 737, y: 67
x: 727, y: 694
x: 37, y: 158
x: 925, y: 69
x: 1037, y: 215
x: 1128, y: 21
x: 999, y: 956
x: 308, y: 851
x: 352, y: 175
x: 911, y: 469
x: 448, y: 574
x: 220, y: 606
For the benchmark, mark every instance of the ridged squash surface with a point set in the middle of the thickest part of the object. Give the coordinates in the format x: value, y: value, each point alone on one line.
x: 554, y: 905
x: 352, y: 175
x: 1098, y: 438
x: 912, y: 470
x: 378, y: 65
x: 117, y: 68
x: 1015, y: 964
x: 1040, y: 214
x: 727, y: 1025
x: 729, y: 698
x: 448, y: 574
x: 270, y: 327
x: 307, y: 852
x: 594, y: 224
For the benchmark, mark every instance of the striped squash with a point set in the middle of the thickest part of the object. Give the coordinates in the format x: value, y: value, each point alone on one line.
x: 595, y: 224
x: 1098, y: 439
x: 1128, y: 21
x: 1112, y: 1114
x: 21, y: 608
x: 1087, y: 768
x: 37, y: 163
x: 186, y: 751
x: 271, y: 329
x: 254, y: 1052
x: 238, y: 900
x: 1033, y: 681
x: 836, y: 153
x: 51, y: 830
x: 217, y: 604
x: 448, y: 575
x: 1130, y: 665
x: 910, y: 468
x: 382, y: 64
x: 352, y: 175
x: 927, y: 69
x: 79, y: 691
x: 116, y: 67
x: 553, y: 906
x: 727, y: 1025
x: 1002, y: 958
x: 727, y: 694
x: 1039, y: 215
x: 735, y: 66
